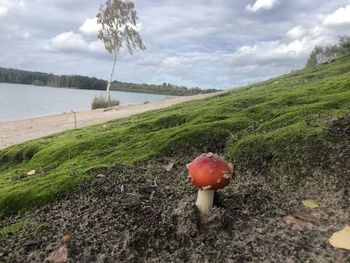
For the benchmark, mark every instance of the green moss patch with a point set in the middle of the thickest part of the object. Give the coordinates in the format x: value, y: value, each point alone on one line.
x: 8, y: 230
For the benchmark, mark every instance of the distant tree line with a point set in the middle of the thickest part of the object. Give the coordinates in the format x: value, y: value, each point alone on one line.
x: 8, y: 75
x: 329, y: 53
x: 165, y: 88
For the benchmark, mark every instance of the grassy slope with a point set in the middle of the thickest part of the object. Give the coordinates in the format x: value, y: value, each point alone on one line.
x: 280, y: 121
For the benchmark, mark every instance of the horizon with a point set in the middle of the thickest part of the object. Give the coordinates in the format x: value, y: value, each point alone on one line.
x: 115, y: 80
x: 192, y: 45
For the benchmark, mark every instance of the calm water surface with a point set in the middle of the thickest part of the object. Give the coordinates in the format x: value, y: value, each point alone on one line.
x: 26, y: 101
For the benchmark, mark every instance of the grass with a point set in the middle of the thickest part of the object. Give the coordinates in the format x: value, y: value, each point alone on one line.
x: 103, y: 102
x: 278, y: 123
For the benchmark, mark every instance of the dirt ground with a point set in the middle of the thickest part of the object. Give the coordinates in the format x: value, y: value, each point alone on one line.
x: 145, y: 214
x: 14, y: 132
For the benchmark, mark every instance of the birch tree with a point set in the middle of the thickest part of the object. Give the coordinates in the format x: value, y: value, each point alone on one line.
x: 118, y: 28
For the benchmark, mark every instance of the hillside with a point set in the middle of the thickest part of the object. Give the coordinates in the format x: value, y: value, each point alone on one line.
x: 288, y: 137
x: 8, y: 75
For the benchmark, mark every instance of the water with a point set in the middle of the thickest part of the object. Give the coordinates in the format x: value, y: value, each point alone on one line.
x: 27, y: 101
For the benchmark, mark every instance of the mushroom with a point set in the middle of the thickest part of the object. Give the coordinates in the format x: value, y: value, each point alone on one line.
x: 208, y: 172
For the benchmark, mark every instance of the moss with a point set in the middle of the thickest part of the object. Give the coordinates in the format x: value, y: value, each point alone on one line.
x: 291, y: 151
x: 8, y: 230
x: 41, y: 228
x: 269, y: 127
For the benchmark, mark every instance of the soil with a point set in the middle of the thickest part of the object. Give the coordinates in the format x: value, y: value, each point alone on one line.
x: 145, y: 214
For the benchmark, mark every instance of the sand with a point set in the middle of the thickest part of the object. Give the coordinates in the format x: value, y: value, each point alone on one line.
x: 14, y: 132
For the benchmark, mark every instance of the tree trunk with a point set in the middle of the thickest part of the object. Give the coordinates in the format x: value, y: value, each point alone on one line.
x: 110, y: 79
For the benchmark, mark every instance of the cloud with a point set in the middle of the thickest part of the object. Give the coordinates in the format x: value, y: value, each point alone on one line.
x: 3, y: 11
x: 26, y: 35
x: 262, y: 5
x: 90, y: 27
x: 272, y: 52
x: 341, y: 17
x: 296, y: 32
x: 70, y: 42
x: 313, y: 32
x: 324, y: 29
x: 8, y: 4
x: 207, y: 44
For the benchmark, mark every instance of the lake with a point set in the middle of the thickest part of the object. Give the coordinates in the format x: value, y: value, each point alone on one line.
x: 27, y: 101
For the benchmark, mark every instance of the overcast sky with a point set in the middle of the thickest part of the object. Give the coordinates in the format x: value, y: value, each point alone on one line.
x: 205, y: 43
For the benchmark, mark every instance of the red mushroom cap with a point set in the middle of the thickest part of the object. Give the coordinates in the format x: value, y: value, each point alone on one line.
x: 209, y: 171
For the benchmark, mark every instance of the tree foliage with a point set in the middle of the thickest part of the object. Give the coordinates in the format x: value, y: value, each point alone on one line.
x: 329, y: 53
x: 344, y: 43
x: 118, y: 25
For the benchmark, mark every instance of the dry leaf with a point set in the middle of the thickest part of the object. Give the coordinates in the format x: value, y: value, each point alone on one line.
x: 341, y: 239
x: 104, y: 126
x: 31, y: 173
x: 59, y: 255
x: 305, y: 214
x: 301, y: 218
x: 296, y: 223
x: 310, y: 203
x: 169, y: 166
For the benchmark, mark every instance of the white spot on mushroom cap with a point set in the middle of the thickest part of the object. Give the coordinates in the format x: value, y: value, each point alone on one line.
x: 207, y: 187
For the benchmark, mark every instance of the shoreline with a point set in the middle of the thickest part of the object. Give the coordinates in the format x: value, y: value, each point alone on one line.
x: 19, y: 131
x: 72, y: 112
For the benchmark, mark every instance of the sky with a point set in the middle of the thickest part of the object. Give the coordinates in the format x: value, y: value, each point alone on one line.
x: 194, y: 43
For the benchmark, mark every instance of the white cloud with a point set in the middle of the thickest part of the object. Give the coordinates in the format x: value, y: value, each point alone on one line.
x: 319, y: 31
x: 70, y: 42
x: 274, y: 52
x: 299, y: 32
x: 325, y: 28
x: 8, y: 4
x: 3, y: 11
x: 296, y: 32
x: 297, y: 46
x: 90, y: 27
x: 26, y: 35
x: 21, y: 4
x: 262, y: 5
x: 340, y: 17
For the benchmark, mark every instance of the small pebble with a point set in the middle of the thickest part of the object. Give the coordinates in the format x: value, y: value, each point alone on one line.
x: 66, y: 239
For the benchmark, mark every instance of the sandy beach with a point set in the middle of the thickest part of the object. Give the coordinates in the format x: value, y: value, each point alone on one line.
x: 14, y: 132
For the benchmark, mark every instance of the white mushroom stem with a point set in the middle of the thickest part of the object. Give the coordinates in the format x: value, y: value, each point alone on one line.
x: 204, y: 202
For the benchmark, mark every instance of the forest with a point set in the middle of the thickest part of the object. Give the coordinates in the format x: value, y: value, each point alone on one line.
x: 9, y: 75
